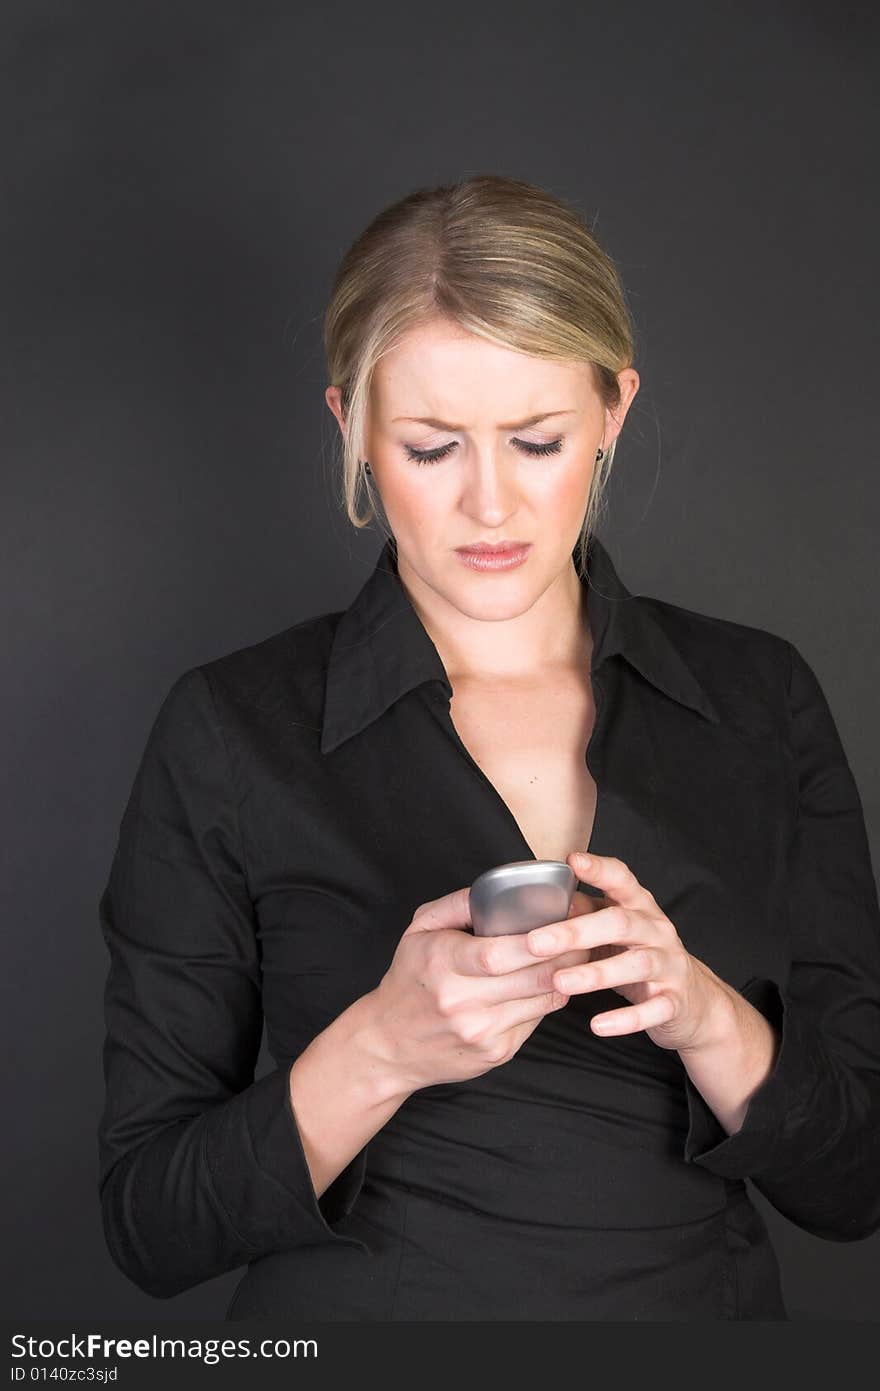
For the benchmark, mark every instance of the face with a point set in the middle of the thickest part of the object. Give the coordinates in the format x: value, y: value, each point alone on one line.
x: 471, y: 442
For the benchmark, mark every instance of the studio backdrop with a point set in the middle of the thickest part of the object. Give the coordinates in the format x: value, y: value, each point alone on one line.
x: 180, y: 185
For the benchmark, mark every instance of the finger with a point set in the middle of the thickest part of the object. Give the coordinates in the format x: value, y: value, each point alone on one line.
x: 636, y: 965
x: 614, y: 924
x: 503, y: 955
x: 450, y: 910
x: 658, y: 1010
x: 516, y: 1012
x: 515, y: 951
x: 584, y: 903
x: 613, y: 877
x: 453, y: 910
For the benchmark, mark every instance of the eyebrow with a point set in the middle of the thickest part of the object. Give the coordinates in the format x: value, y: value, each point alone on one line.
x: 444, y: 425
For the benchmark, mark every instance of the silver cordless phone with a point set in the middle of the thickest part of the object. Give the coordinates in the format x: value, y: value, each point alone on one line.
x: 521, y: 895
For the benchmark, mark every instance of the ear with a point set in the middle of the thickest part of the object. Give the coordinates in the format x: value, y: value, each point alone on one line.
x: 629, y: 384
x: 333, y: 397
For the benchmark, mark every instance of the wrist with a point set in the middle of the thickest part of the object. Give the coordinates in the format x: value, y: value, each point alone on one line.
x: 382, y: 1076
x: 722, y: 1024
x: 733, y: 1060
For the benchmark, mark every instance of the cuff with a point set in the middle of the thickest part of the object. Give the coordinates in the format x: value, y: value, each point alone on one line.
x: 781, y: 1097
x: 260, y: 1175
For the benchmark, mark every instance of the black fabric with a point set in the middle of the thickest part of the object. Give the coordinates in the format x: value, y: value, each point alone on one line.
x: 299, y: 798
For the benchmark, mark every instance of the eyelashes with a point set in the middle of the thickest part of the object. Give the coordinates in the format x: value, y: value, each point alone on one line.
x: 433, y: 456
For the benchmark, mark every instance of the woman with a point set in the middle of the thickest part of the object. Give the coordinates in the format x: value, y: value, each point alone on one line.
x: 459, y: 1127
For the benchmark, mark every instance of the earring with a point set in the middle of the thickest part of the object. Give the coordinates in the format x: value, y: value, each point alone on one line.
x: 367, y: 468
x: 599, y: 455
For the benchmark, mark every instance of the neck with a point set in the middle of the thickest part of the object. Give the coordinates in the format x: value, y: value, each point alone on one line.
x: 552, y: 635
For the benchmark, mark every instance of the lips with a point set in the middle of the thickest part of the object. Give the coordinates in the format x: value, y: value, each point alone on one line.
x: 498, y: 548
x: 504, y: 557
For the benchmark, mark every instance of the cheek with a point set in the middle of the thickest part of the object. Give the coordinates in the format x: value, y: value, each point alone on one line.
x: 564, y: 491
x: 414, y: 500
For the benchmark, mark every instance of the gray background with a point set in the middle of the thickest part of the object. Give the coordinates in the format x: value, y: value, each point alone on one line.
x: 179, y: 182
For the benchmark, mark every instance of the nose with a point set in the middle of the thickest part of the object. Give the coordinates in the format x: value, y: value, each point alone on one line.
x: 489, y: 486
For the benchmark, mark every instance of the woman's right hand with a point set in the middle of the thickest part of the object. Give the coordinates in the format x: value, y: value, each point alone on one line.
x: 453, y: 1005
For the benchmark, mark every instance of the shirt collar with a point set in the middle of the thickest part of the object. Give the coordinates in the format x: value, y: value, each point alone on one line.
x: 381, y: 649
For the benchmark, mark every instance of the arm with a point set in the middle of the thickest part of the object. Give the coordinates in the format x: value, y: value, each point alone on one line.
x: 738, y: 1059
x: 201, y: 1168
x: 342, y: 1091
x: 810, y: 1138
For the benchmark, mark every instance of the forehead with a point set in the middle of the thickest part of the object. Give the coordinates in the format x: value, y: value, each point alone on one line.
x: 441, y: 370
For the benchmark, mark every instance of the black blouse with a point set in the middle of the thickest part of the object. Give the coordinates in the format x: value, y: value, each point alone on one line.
x: 295, y: 803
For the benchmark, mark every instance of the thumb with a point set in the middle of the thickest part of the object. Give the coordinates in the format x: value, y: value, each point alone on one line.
x: 451, y: 910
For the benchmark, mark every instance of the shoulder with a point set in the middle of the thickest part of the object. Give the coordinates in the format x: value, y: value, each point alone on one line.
x: 297, y: 653
x: 285, y: 670
x: 744, y: 668
x: 719, y: 639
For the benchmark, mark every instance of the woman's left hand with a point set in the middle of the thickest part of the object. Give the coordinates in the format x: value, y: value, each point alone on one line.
x: 635, y: 950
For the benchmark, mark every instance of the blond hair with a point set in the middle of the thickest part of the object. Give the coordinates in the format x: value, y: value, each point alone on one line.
x: 498, y: 257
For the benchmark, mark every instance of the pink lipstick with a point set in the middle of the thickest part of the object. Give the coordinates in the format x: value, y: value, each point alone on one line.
x: 483, y: 556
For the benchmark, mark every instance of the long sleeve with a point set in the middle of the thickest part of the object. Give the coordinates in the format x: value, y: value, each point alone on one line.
x: 810, y: 1140
x: 201, y: 1168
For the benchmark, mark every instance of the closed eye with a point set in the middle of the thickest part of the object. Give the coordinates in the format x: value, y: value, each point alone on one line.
x: 433, y: 456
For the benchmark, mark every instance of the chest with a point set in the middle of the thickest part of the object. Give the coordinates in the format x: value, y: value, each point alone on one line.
x: 342, y: 850
x: 531, y: 744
